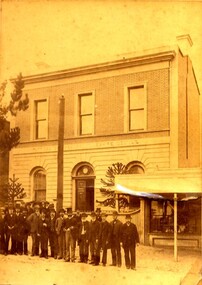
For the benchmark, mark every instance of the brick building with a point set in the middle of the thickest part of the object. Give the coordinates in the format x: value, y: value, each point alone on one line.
x: 141, y: 110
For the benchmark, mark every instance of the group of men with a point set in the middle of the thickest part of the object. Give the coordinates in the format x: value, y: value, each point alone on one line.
x: 64, y: 230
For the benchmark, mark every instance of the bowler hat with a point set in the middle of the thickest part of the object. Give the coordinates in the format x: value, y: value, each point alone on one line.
x: 52, y: 210
x: 36, y: 204
x: 115, y: 213
x: 61, y: 211
x: 93, y: 214
x: 128, y: 216
x: 84, y: 215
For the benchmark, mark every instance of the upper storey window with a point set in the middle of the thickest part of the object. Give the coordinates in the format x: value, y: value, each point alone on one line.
x: 86, y: 116
x: 41, y: 119
x: 136, y: 108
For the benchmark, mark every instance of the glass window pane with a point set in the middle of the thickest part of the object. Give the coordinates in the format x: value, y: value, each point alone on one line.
x: 137, y: 98
x: 86, y: 125
x: 41, y: 130
x: 86, y: 104
x: 41, y: 110
x: 39, y: 180
x: 137, y: 120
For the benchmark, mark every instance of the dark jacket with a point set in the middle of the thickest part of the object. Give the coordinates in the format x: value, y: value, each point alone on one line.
x: 129, y: 235
x: 33, y: 220
x: 10, y: 223
x: 52, y: 228
x: 94, y: 229
x: 44, y: 226
x: 59, y: 225
x: 71, y: 224
x: 105, y: 234
x: 84, y: 226
x: 116, y: 230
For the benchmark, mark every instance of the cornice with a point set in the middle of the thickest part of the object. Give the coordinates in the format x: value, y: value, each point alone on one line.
x: 103, y: 67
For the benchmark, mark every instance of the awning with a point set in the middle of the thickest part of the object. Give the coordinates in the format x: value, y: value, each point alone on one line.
x: 167, y: 181
x: 176, y: 182
x: 159, y: 184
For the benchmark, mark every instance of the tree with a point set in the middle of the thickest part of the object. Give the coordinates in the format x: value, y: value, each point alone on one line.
x: 12, y: 190
x: 107, y: 190
x: 10, y: 138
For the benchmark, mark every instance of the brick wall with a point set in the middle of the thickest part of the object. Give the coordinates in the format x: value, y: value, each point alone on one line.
x: 109, y: 101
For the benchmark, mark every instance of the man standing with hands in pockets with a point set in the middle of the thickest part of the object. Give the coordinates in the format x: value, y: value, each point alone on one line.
x: 129, y: 238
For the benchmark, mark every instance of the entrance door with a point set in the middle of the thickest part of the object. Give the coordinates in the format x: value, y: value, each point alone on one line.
x: 85, y: 194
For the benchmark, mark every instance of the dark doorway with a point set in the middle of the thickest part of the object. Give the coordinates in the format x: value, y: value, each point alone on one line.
x: 85, y: 194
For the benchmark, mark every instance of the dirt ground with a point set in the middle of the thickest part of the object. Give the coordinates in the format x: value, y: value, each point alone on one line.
x: 155, y: 266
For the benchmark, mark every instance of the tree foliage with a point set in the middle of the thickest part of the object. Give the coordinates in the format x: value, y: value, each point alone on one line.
x: 10, y: 138
x: 108, y: 184
x: 12, y: 190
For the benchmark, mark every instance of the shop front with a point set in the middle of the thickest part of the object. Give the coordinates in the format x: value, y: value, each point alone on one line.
x: 172, y: 202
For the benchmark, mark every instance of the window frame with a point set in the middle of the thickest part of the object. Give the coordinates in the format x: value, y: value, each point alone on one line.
x: 34, y: 119
x: 127, y: 109
x: 34, y: 189
x: 78, y: 124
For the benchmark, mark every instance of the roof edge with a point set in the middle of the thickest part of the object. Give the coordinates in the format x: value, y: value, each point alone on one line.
x: 102, y: 67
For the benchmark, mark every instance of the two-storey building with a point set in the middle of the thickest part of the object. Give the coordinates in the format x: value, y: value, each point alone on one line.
x: 141, y: 110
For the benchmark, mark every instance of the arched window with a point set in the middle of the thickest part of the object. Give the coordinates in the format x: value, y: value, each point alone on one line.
x: 135, y: 167
x: 39, y: 185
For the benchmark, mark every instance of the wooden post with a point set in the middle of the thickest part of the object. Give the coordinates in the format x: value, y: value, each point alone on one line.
x: 175, y: 227
x: 59, y: 204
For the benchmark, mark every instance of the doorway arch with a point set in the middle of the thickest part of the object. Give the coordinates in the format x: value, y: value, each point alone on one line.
x: 83, y: 191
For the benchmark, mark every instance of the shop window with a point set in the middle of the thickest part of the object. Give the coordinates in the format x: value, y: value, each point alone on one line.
x: 188, y: 216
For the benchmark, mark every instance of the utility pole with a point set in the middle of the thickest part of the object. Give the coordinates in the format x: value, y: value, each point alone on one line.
x: 60, y: 159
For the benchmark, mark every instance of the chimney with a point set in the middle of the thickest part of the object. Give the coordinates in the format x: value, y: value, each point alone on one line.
x: 185, y: 43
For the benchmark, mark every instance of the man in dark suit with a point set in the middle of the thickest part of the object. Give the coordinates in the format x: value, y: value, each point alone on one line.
x: 52, y: 234
x: 130, y: 238
x: 83, y: 238
x: 2, y: 232
x: 94, y: 228
x: 71, y: 235
x: 33, y: 221
x: 10, y: 226
x: 43, y: 232
x: 115, y: 240
x: 59, y: 227
x: 104, y: 237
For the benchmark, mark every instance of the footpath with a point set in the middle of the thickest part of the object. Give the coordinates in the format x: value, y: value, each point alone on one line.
x: 194, y: 276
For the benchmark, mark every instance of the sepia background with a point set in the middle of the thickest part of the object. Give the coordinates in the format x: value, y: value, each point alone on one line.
x: 40, y: 36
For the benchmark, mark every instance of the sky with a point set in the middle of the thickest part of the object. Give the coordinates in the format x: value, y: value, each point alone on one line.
x: 42, y: 35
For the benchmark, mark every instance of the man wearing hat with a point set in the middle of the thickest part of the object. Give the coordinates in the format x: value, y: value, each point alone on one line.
x: 83, y: 238
x: 104, y: 237
x: 19, y: 227
x: 10, y: 226
x: 29, y: 208
x: 33, y: 221
x: 53, y: 234
x: 25, y: 231
x: 59, y: 227
x: 94, y: 228
x: 43, y: 232
x: 115, y: 240
x: 130, y: 238
x: 2, y: 232
x: 71, y: 235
